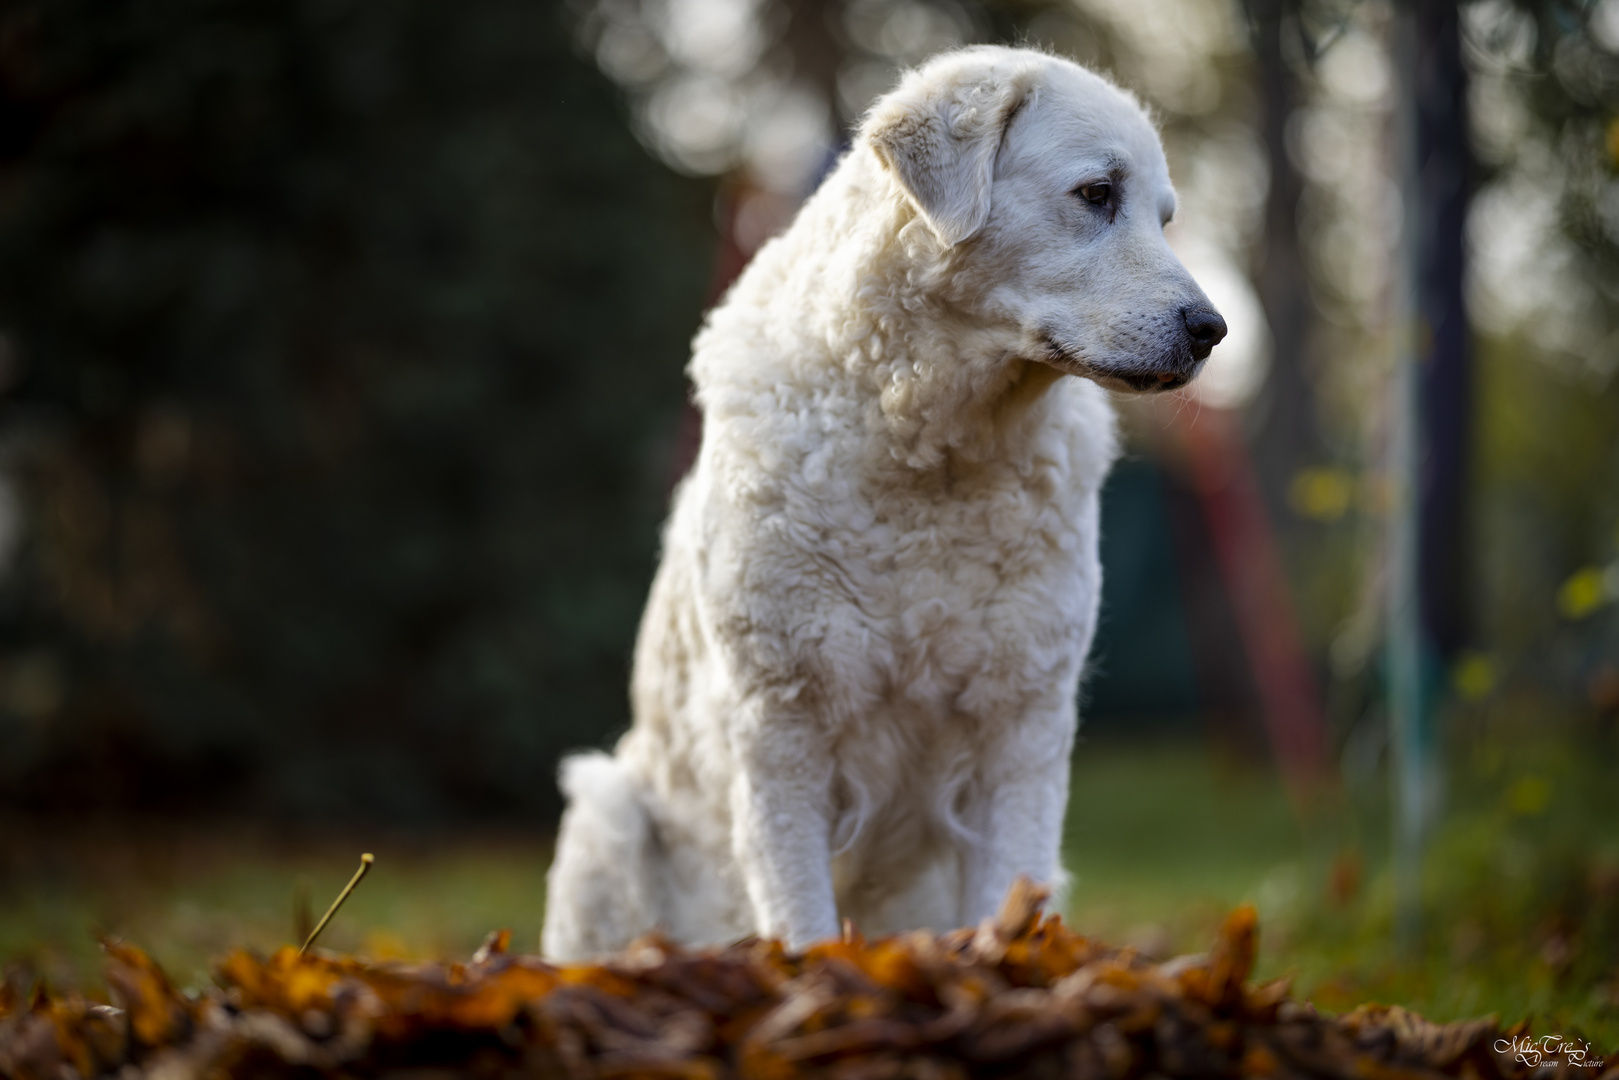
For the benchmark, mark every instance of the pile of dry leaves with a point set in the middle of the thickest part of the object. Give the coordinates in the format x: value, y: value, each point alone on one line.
x: 1020, y: 996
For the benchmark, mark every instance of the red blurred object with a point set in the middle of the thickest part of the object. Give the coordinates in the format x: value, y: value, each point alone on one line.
x: 1256, y: 582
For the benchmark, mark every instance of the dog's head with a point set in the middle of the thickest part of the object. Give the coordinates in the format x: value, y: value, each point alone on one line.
x: 1047, y: 187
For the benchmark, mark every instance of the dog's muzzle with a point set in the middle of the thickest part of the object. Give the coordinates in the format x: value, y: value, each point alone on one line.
x: 1202, y: 329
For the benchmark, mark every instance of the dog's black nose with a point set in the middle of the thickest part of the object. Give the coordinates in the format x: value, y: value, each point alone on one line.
x: 1206, y: 328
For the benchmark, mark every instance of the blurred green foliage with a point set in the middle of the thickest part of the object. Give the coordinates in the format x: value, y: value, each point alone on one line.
x: 343, y: 347
x: 1521, y: 887
x: 1547, y: 493
x: 1521, y: 895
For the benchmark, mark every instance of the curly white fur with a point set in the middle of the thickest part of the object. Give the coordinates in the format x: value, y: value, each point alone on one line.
x: 854, y: 687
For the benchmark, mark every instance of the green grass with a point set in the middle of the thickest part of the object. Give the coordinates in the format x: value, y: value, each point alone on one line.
x: 188, y: 892
x: 1522, y: 888
x: 1162, y: 842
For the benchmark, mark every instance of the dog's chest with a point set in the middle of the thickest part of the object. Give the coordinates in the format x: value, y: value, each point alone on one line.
x: 959, y: 598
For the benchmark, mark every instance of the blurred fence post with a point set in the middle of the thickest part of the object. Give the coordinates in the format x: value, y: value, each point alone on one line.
x: 1407, y: 718
x: 1429, y: 407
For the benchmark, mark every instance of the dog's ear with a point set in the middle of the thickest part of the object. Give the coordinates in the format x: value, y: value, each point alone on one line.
x: 939, y: 134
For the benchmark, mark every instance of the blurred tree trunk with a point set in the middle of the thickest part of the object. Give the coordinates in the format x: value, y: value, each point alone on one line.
x: 812, y: 42
x: 1287, y: 437
x: 1444, y: 168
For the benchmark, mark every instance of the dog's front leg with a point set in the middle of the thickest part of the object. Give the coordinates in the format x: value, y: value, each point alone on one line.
x: 781, y: 828
x: 1020, y: 808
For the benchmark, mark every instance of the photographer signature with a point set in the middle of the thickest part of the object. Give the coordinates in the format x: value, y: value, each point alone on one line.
x: 1532, y: 1051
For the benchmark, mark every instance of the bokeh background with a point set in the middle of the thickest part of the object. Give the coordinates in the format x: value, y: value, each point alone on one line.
x: 341, y: 395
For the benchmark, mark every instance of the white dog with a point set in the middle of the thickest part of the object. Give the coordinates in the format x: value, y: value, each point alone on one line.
x: 854, y: 687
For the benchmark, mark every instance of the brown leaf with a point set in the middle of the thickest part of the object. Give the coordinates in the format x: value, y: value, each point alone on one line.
x: 1019, y: 995
x: 495, y: 944
x: 1021, y: 908
x: 1232, y: 958
x: 157, y: 1014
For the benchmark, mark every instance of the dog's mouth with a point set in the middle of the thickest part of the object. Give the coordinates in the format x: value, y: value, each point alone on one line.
x: 1153, y: 379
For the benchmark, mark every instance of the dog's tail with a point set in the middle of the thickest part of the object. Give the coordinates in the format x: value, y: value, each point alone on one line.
x: 600, y: 893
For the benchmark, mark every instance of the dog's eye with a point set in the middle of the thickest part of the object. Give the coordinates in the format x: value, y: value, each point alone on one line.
x: 1096, y: 194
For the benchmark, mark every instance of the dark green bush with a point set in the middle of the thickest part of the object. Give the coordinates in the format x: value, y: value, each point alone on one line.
x: 343, y: 344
